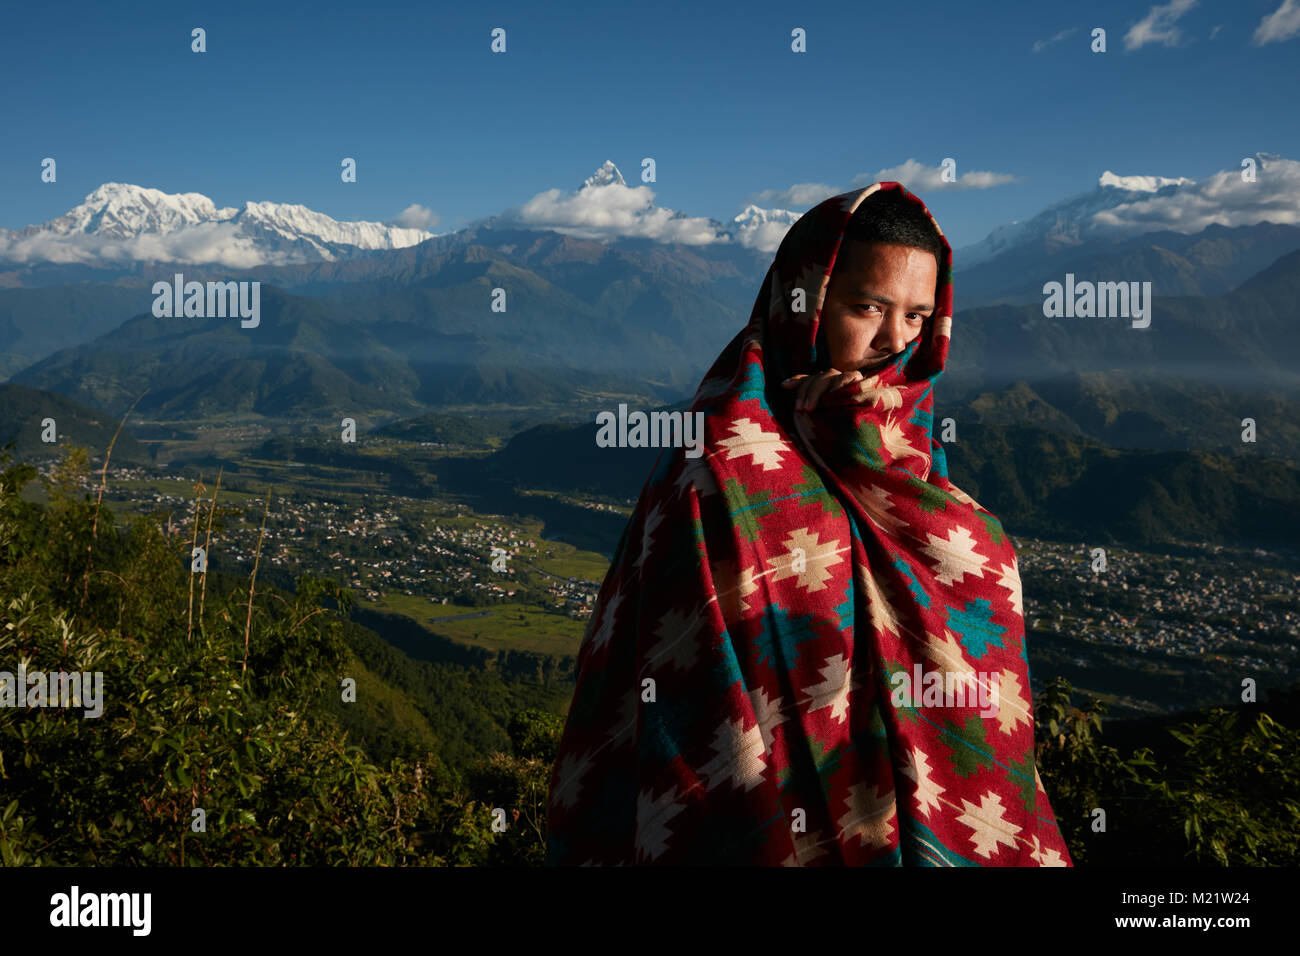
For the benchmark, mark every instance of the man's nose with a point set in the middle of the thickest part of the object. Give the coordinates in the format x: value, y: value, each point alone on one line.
x: 891, y: 336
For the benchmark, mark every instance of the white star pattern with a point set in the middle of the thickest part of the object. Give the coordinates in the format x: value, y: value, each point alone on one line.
x: 876, y: 502
x: 678, y: 634
x: 601, y: 635
x: 767, y: 713
x: 948, y: 654
x: 1045, y: 857
x: 879, y: 603
x: 989, y: 824
x: 928, y: 791
x: 766, y: 448
x: 807, y: 847
x: 740, y: 756
x: 955, y: 557
x: 652, y: 818
x: 818, y: 558
x: 652, y: 521
x: 696, y: 474
x: 625, y: 723
x: 1010, y: 580
x: 568, y: 779
x: 1013, y: 707
x: 871, y: 816
x: 732, y: 589
x: 833, y: 692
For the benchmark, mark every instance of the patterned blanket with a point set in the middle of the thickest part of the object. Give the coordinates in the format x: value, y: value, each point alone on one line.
x: 810, y: 646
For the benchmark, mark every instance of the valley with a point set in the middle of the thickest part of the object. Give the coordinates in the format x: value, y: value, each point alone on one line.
x: 411, y: 527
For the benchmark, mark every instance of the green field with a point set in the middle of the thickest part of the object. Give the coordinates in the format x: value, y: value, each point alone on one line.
x: 497, y: 628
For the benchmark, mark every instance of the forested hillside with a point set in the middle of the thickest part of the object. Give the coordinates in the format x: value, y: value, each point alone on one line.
x: 228, y: 734
x: 227, y: 697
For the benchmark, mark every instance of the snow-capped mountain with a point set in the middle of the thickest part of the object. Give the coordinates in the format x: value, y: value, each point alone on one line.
x: 291, y: 223
x: 605, y: 209
x: 120, y: 222
x: 1069, y: 222
x: 119, y: 211
x: 127, y: 228
x: 762, y: 229
x: 606, y: 174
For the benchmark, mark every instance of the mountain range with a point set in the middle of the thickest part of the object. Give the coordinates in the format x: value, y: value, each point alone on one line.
x: 589, y: 326
x: 122, y: 230
x: 121, y: 224
x: 385, y: 324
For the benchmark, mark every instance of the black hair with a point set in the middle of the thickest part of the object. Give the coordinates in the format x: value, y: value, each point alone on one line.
x: 889, y: 216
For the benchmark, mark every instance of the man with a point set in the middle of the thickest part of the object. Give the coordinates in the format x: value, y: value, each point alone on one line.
x: 809, y: 648
x: 880, y: 293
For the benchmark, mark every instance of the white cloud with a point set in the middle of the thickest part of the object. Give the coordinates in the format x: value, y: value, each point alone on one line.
x: 918, y: 178
x: 765, y: 228
x: 1158, y: 26
x: 1043, y: 44
x: 1215, y: 32
x: 609, y: 211
x: 1282, y: 24
x: 798, y: 196
x: 416, y: 216
x: 1222, y: 198
x: 915, y: 176
x: 219, y: 243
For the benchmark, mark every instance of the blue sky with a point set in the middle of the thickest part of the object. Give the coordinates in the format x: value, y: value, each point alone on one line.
x: 715, y: 95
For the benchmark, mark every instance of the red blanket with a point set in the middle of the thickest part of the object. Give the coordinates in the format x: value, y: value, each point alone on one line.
x: 810, y: 646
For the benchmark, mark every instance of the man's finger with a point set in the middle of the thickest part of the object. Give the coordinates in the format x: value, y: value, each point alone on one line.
x: 828, y: 381
x: 831, y: 381
x: 801, y: 397
x: 820, y: 388
x: 811, y: 389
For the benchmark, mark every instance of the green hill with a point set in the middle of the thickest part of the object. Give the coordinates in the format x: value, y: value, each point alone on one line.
x: 37, y: 322
x: 1151, y: 411
x: 1047, y: 484
x: 1038, y: 481
x: 23, y: 410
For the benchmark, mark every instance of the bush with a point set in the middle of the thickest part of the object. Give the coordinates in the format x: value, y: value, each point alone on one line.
x: 1227, y: 797
x: 220, y: 711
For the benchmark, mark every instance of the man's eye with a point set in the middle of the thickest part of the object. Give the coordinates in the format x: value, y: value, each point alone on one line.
x: 866, y: 305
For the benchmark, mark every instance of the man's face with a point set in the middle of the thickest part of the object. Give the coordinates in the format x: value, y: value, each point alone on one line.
x: 877, y: 301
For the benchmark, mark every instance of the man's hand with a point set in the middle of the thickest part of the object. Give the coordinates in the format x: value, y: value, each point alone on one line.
x: 812, y: 387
